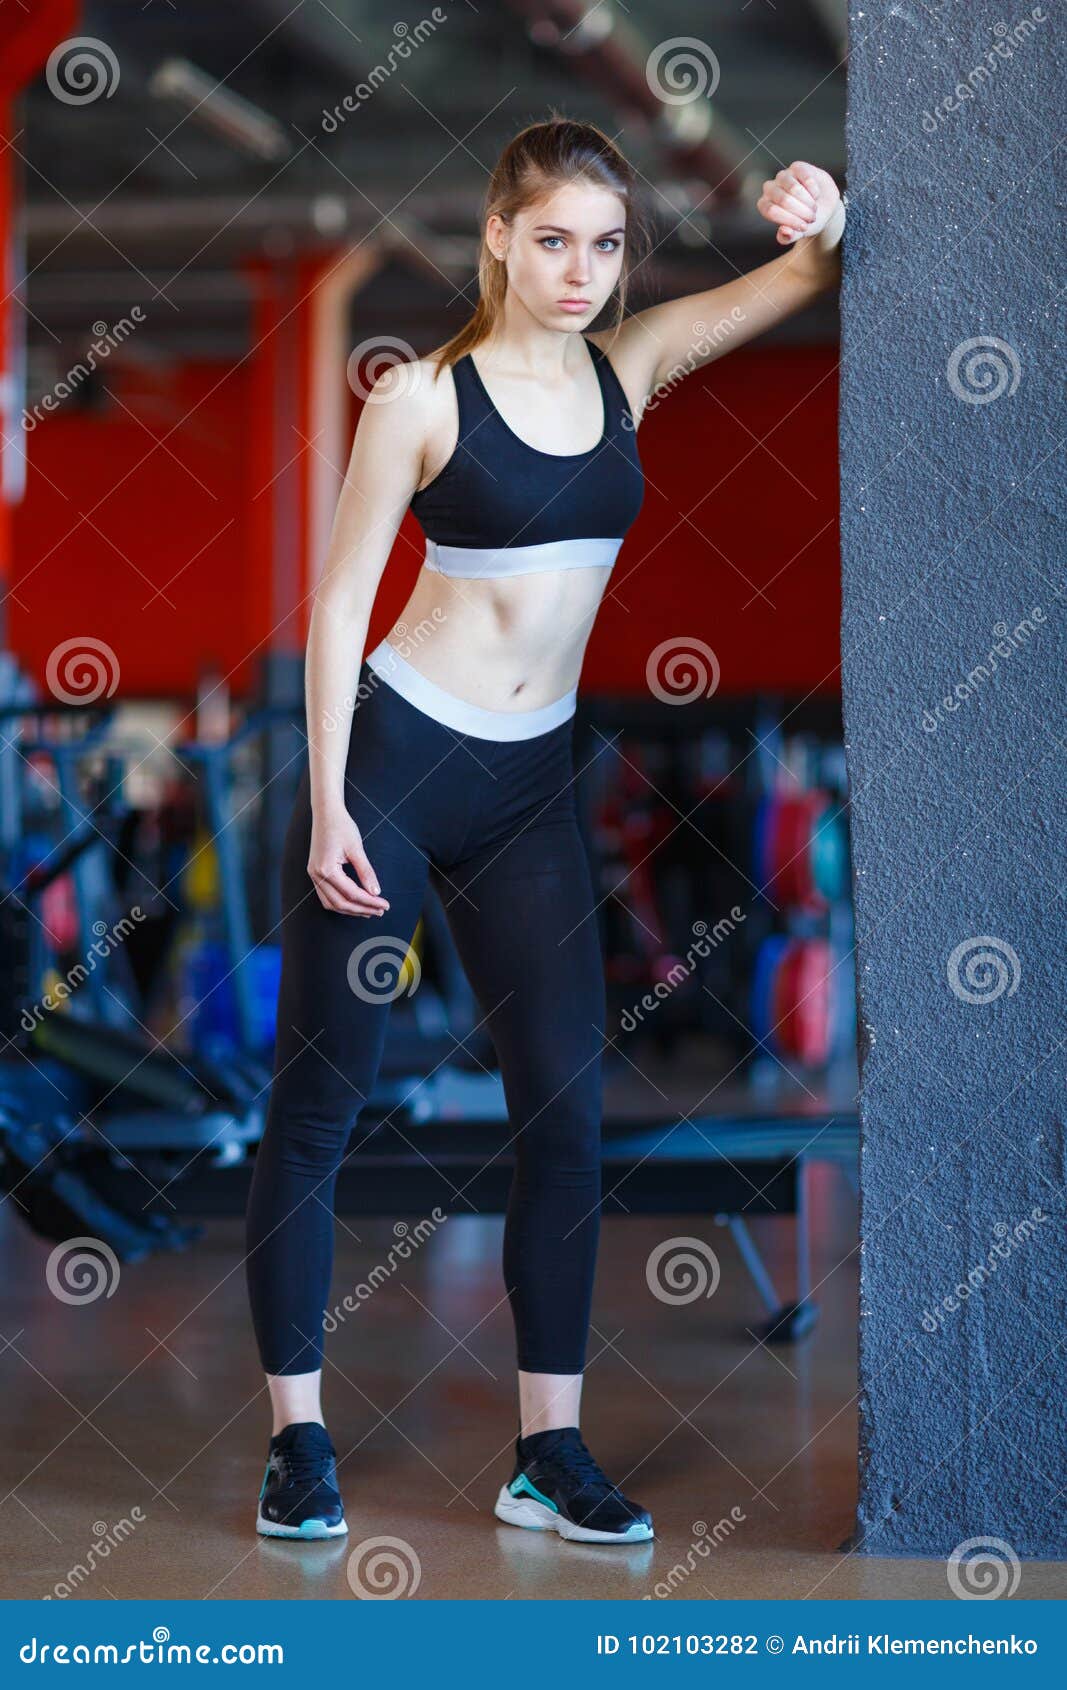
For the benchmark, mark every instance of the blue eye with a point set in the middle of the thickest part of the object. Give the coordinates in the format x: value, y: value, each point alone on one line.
x: 606, y: 244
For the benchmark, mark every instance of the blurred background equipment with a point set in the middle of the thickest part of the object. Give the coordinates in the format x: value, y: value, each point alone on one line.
x: 256, y: 209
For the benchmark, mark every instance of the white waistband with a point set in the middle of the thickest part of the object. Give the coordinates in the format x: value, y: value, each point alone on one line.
x: 519, y: 560
x: 458, y: 713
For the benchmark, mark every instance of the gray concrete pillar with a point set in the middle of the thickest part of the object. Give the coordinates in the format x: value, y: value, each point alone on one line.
x: 953, y: 652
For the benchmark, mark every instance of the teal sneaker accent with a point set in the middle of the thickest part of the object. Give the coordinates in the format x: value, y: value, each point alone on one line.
x: 263, y: 1486
x: 522, y: 1485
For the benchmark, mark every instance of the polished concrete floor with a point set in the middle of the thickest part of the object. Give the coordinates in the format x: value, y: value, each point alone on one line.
x: 133, y: 1428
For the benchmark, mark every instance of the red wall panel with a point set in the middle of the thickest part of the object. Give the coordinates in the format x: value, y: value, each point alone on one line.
x: 741, y: 461
x: 737, y: 542
x: 136, y: 527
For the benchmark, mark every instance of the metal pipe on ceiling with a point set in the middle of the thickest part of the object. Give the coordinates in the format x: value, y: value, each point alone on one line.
x: 668, y: 86
x: 220, y: 111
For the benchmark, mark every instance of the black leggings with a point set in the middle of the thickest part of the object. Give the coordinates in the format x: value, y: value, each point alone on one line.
x: 493, y: 824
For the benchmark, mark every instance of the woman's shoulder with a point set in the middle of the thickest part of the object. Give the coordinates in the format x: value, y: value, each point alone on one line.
x: 407, y: 423
x: 410, y: 393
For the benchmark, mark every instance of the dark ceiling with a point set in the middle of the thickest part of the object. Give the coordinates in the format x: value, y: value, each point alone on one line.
x: 187, y: 135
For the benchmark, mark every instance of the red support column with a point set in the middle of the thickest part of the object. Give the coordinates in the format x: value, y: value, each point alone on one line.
x: 298, y: 441
x: 26, y: 39
x: 11, y: 440
x: 276, y: 458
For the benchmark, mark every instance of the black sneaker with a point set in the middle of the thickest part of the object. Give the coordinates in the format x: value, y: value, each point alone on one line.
x: 558, y: 1487
x: 299, y: 1495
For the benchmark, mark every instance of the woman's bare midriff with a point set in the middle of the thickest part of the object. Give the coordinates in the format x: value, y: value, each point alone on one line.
x: 502, y: 644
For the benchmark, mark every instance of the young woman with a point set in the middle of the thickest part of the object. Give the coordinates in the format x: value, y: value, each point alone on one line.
x: 515, y: 446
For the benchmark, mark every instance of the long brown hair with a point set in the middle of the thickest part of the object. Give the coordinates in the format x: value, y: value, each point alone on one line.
x: 539, y: 158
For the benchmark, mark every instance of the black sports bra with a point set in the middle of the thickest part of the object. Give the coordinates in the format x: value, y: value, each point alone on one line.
x: 501, y: 507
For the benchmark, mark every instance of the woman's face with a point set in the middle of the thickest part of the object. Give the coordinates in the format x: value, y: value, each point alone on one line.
x: 563, y: 253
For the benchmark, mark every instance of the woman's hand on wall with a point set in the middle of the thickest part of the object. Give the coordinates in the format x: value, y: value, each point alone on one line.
x: 802, y: 200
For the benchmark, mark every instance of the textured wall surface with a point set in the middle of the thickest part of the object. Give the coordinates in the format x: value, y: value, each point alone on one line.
x: 953, y: 653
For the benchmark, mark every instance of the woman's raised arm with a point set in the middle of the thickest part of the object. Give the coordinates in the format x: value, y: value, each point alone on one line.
x: 657, y: 347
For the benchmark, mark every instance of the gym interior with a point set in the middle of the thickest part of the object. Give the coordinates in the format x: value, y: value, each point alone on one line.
x: 218, y: 225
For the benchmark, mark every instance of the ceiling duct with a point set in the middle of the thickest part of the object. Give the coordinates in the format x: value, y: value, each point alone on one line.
x: 669, y: 85
x: 214, y: 107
